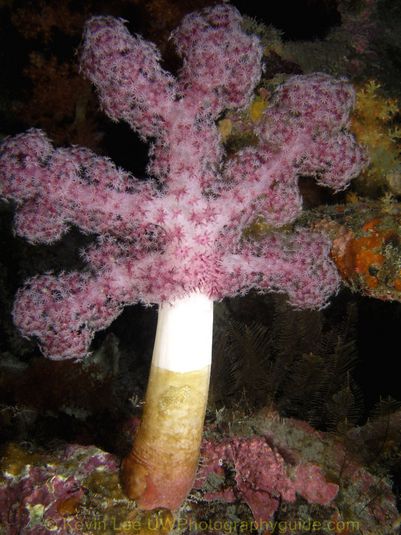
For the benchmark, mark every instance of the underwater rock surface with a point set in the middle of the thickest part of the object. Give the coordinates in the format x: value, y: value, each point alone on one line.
x: 263, y: 471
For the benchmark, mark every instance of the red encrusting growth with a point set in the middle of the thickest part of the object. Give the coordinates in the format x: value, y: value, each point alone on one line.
x: 261, y: 476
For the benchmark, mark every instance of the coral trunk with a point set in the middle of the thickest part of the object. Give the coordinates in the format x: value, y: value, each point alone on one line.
x: 160, y: 470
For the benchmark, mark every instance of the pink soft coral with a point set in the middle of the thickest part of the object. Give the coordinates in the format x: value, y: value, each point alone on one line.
x: 182, y: 231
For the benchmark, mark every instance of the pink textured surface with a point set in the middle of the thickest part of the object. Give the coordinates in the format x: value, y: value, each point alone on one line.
x: 310, y: 483
x: 263, y: 478
x: 181, y: 230
x: 46, y: 487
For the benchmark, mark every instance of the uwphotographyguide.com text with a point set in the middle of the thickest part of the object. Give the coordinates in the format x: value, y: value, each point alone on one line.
x: 158, y: 525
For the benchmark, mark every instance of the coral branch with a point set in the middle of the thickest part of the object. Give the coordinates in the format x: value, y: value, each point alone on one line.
x: 296, y: 264
x: 64, y: 311
x: 58, y: 187
x: 127, y: 73
x: 302, y: 133
x: 221, y: 62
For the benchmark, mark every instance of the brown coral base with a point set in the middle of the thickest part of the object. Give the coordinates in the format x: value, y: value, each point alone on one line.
x: 160, y: 470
